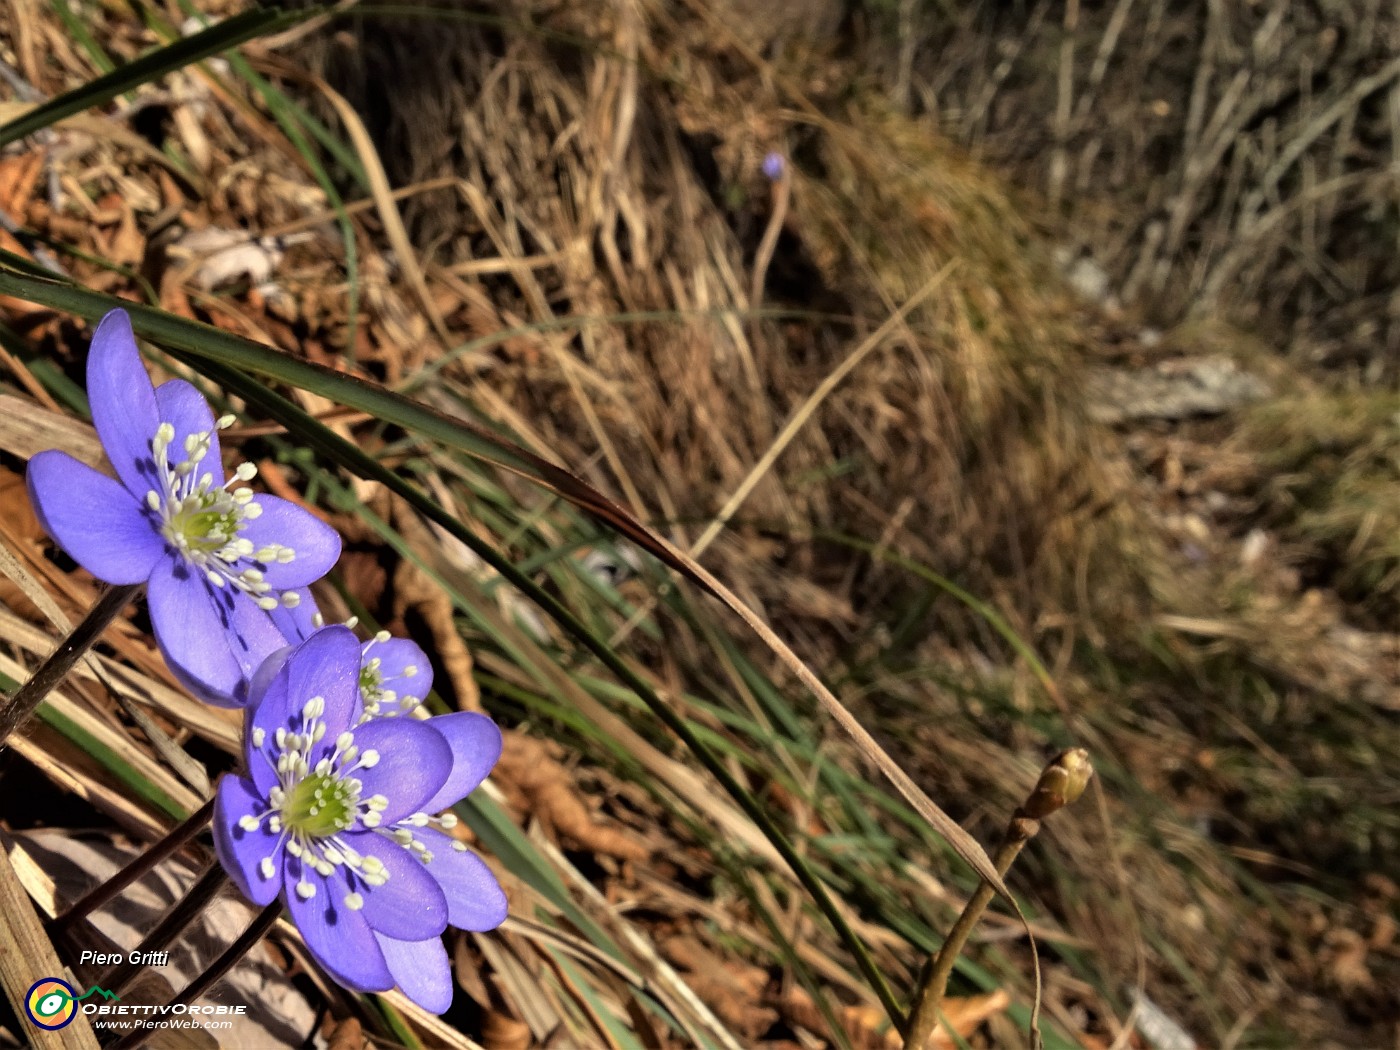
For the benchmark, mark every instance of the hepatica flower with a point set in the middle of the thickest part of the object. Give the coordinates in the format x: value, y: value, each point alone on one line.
x: 395, y: 674
x: 336, y: 817
x: 216, y: 557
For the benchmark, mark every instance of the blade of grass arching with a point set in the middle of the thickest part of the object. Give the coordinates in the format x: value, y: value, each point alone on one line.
x: 353, y: 458
x: 591, y: 734
x: 548, y: 673
x: 151, y: 66
x: 223, y: 349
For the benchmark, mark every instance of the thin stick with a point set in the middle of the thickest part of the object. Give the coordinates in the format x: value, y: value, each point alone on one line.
x: 100, y: 895
x: 216, y: 971
x: 1062, y: 781
x: 30, y: 695
x: 196, y: 901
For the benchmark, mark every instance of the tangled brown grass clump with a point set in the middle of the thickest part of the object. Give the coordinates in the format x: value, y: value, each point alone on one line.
x: 622, y: 193
x: 600, y: 194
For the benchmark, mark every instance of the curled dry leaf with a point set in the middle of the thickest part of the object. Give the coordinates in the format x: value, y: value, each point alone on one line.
x: 214, y: 256
x: 542, y: 785
x: 729, y: 987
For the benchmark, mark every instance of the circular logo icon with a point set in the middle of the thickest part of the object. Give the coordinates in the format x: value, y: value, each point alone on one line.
x: 51, y: 1003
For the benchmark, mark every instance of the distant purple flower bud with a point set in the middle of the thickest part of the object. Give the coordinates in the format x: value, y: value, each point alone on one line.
x: 216, y: 558
x: 336, y: 816
x: 774, y: 164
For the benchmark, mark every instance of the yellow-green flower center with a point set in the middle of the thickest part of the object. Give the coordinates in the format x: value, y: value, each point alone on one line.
x: 202, y: 520
x: 321, y: 805
x: 205, y: 527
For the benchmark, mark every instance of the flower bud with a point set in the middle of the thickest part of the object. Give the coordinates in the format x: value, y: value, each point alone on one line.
x: 1063, y: 781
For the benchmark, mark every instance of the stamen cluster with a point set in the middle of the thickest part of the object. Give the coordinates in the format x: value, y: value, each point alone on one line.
x: 202, y: 520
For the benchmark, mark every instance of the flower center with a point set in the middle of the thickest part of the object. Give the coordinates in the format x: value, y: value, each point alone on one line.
x: 202, y: 520
x: 321, y: 805
x: 312, y: 805
x: 379, y: 700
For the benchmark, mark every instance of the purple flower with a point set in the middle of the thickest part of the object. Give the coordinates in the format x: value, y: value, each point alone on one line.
x: 214, y: 556
x: 335, y: 816
x: 395, y: 675
x: 774, y: 164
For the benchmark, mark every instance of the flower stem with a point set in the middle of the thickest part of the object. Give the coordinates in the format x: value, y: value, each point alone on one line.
x: 102, y: 893
x: 28, y: 696
x: 184, y: 913
x: 215, y: 972
x: 1061, y: 782
x: 933, y: 980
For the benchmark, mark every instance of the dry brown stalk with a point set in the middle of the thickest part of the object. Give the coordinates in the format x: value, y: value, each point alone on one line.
x: 1062, y: 782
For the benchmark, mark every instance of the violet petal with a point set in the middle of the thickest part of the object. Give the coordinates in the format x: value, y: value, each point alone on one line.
x: 316, y: 544
x: 298, y: 622
x: 184, y: 408
x: 93, y: 518
x: 336, y: 935
x: 326, y: 665
x: 123, y: 402
x: 241, y: 851
x: 395, y: 656
x: 414, y: 762
x: 475, y: 900
x: 213, y: 638
x: 421, y: 970
x: 476, y: 745
x: 411, y: 905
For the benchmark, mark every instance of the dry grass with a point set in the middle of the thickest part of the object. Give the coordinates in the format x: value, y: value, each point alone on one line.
x: 607, y: 188
x: 1232, y: 157
x: 587, y: 181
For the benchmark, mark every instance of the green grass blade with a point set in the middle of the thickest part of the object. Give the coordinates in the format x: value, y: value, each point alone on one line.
x: 151, y: 66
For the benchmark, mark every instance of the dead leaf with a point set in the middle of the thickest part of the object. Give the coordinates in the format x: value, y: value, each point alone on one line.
x: 214, y: 256
x: 730, y: 987
x: 18, y: 176
x: 550, y: 796
x: 346, y: 1035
